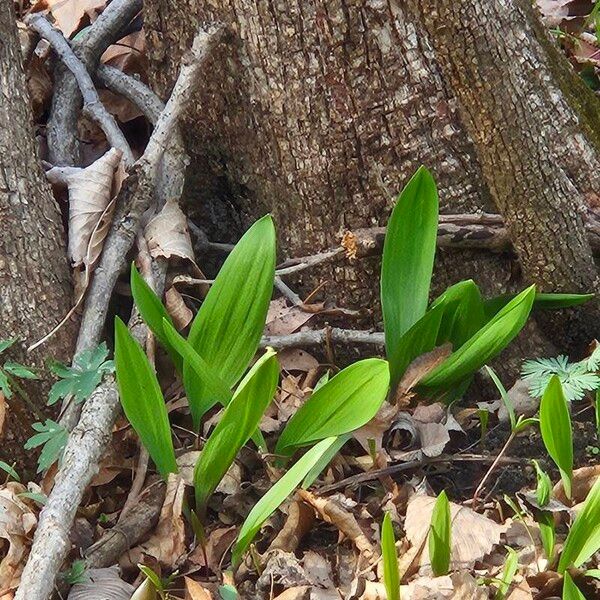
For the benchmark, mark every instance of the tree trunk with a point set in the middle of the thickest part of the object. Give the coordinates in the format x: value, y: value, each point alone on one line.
x: 319, y: 112
x: 35, y: 285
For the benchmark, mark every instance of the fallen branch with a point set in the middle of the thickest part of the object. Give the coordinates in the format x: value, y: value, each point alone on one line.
x: 91, y: 101
x: 91, y: 435
x: 62, y: 123
x: 322, y: 336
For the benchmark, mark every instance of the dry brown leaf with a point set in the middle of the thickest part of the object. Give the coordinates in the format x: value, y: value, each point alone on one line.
x: 418, y: 368
x: 101, y: 583
x: 167, y: 543
x: 473, y: 535
x: 167, y: 233
x: 333, y: 512
x: 296, y: 359
x: 283, y: 319
x: 127, y: 54
x: 583, y: 481
x: 554, y: 12
x: 298, y: 523
x: 307, y: 592
x: 229, y: 484
x: 39, y: 85
x: 218, y: 542
x: 520, y: 591
x: 90, y: 193
x: 69, y: 15
x: 17, y: 522
x: 196, y: 591
x: 178, y: 309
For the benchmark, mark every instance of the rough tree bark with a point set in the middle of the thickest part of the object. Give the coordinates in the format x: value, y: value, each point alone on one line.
x: 320, y: 111
x: 35, y: 280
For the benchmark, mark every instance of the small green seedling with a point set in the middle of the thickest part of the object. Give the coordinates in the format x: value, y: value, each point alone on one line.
x: 439, y: 539
x: 508, y: 574
x: 53, y: 437
x: 77, y: 573
x: 545, y: 519
x: 10, y: 371
x: 9, y: 470
x: 391, y: 574
x: 557, y: 435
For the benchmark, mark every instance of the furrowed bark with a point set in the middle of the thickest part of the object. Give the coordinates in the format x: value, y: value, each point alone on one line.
x: 539, y: 153
x: 35, y: 280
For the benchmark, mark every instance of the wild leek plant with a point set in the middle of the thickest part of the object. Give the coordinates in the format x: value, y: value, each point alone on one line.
x: 557, y: 433
x: 391, y: 574
x: 439, y: 538
x: 477, y: 329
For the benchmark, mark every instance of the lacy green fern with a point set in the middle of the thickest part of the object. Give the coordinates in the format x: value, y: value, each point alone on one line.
x: 577, y: 378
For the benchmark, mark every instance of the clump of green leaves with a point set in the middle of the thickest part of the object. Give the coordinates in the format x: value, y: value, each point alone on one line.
x: 81, y: 378
x: 53, y: 437
x: 439, y: 538
x: 576, y: 378
x: 11, y: 370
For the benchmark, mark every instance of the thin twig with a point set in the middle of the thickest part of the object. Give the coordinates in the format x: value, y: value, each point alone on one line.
x: 321, y: 336
x: 92, y: 104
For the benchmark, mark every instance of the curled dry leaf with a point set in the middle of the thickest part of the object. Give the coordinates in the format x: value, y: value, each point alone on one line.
x: 167, y: 543
x: 69, y: 15
x: 333, y: 512
x: 418, y: 368
x: 473, y: 535
x: 101, y: 583
x: 196, y: 591
x: 167, y: 233
x: 90, y: 193
x: 219, y: 541
x: 583, y: 481
x: 298, y: 523
x: 283, y: 319
x: 17, y: 522
x: 178, y: 309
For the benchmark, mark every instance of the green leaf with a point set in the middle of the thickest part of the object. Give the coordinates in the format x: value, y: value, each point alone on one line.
x: 391, y: 574
x: 239, y: 420
x: 597, y: 412
x: 545, y: 520
x: 5, y: 344
x: 83, y: 377
x: 484, y: 345
x: 439, y: 536
x: 419, y: 339
x: 345, y: 403
x: 10, y: 470
x: 38, y: 497
x: 508, y: 573
x: 153, y: 312
x: 325, y: 460
x: 228, y: 592
x: 510, y: 409
x: 542, y: 301
x: 206, y: 388
x: 18, y: 370
x: 228, y: 327
x: 557, y: 434
x: 276, y: 495
x: 463, y: 314
x: 5, y: 385
x: 570, y: 590
x: 544, y: 485
x: 53, y: 437
x: 583, y: 539
x: 408, y: 254
x: 142, y: 400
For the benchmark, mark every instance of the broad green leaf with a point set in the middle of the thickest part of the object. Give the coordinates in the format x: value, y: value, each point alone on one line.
x: 239, y: 420
x: 153, y: 312
x: 275, y: 496
x: 557, y: 434
x: 345, y: 403
x: 439, y: 537
x: 484, y: 345
x: 508, y: 573
x: 570, y: 590
x: 53, y: 437
x: 206, y: 388
x: 81, y: 379
x: 228, y: 327
x: 391, y: 574
x: 408, y: 253
x: 418, y: 340
x: 542, y: 301
x: 584, y: 536
x: 463, y: 314
x: 142, y: 400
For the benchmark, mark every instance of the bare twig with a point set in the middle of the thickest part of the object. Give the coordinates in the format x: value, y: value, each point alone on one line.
x: 62, y: 124
x: 92, y: 105
x: 321, y: 336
